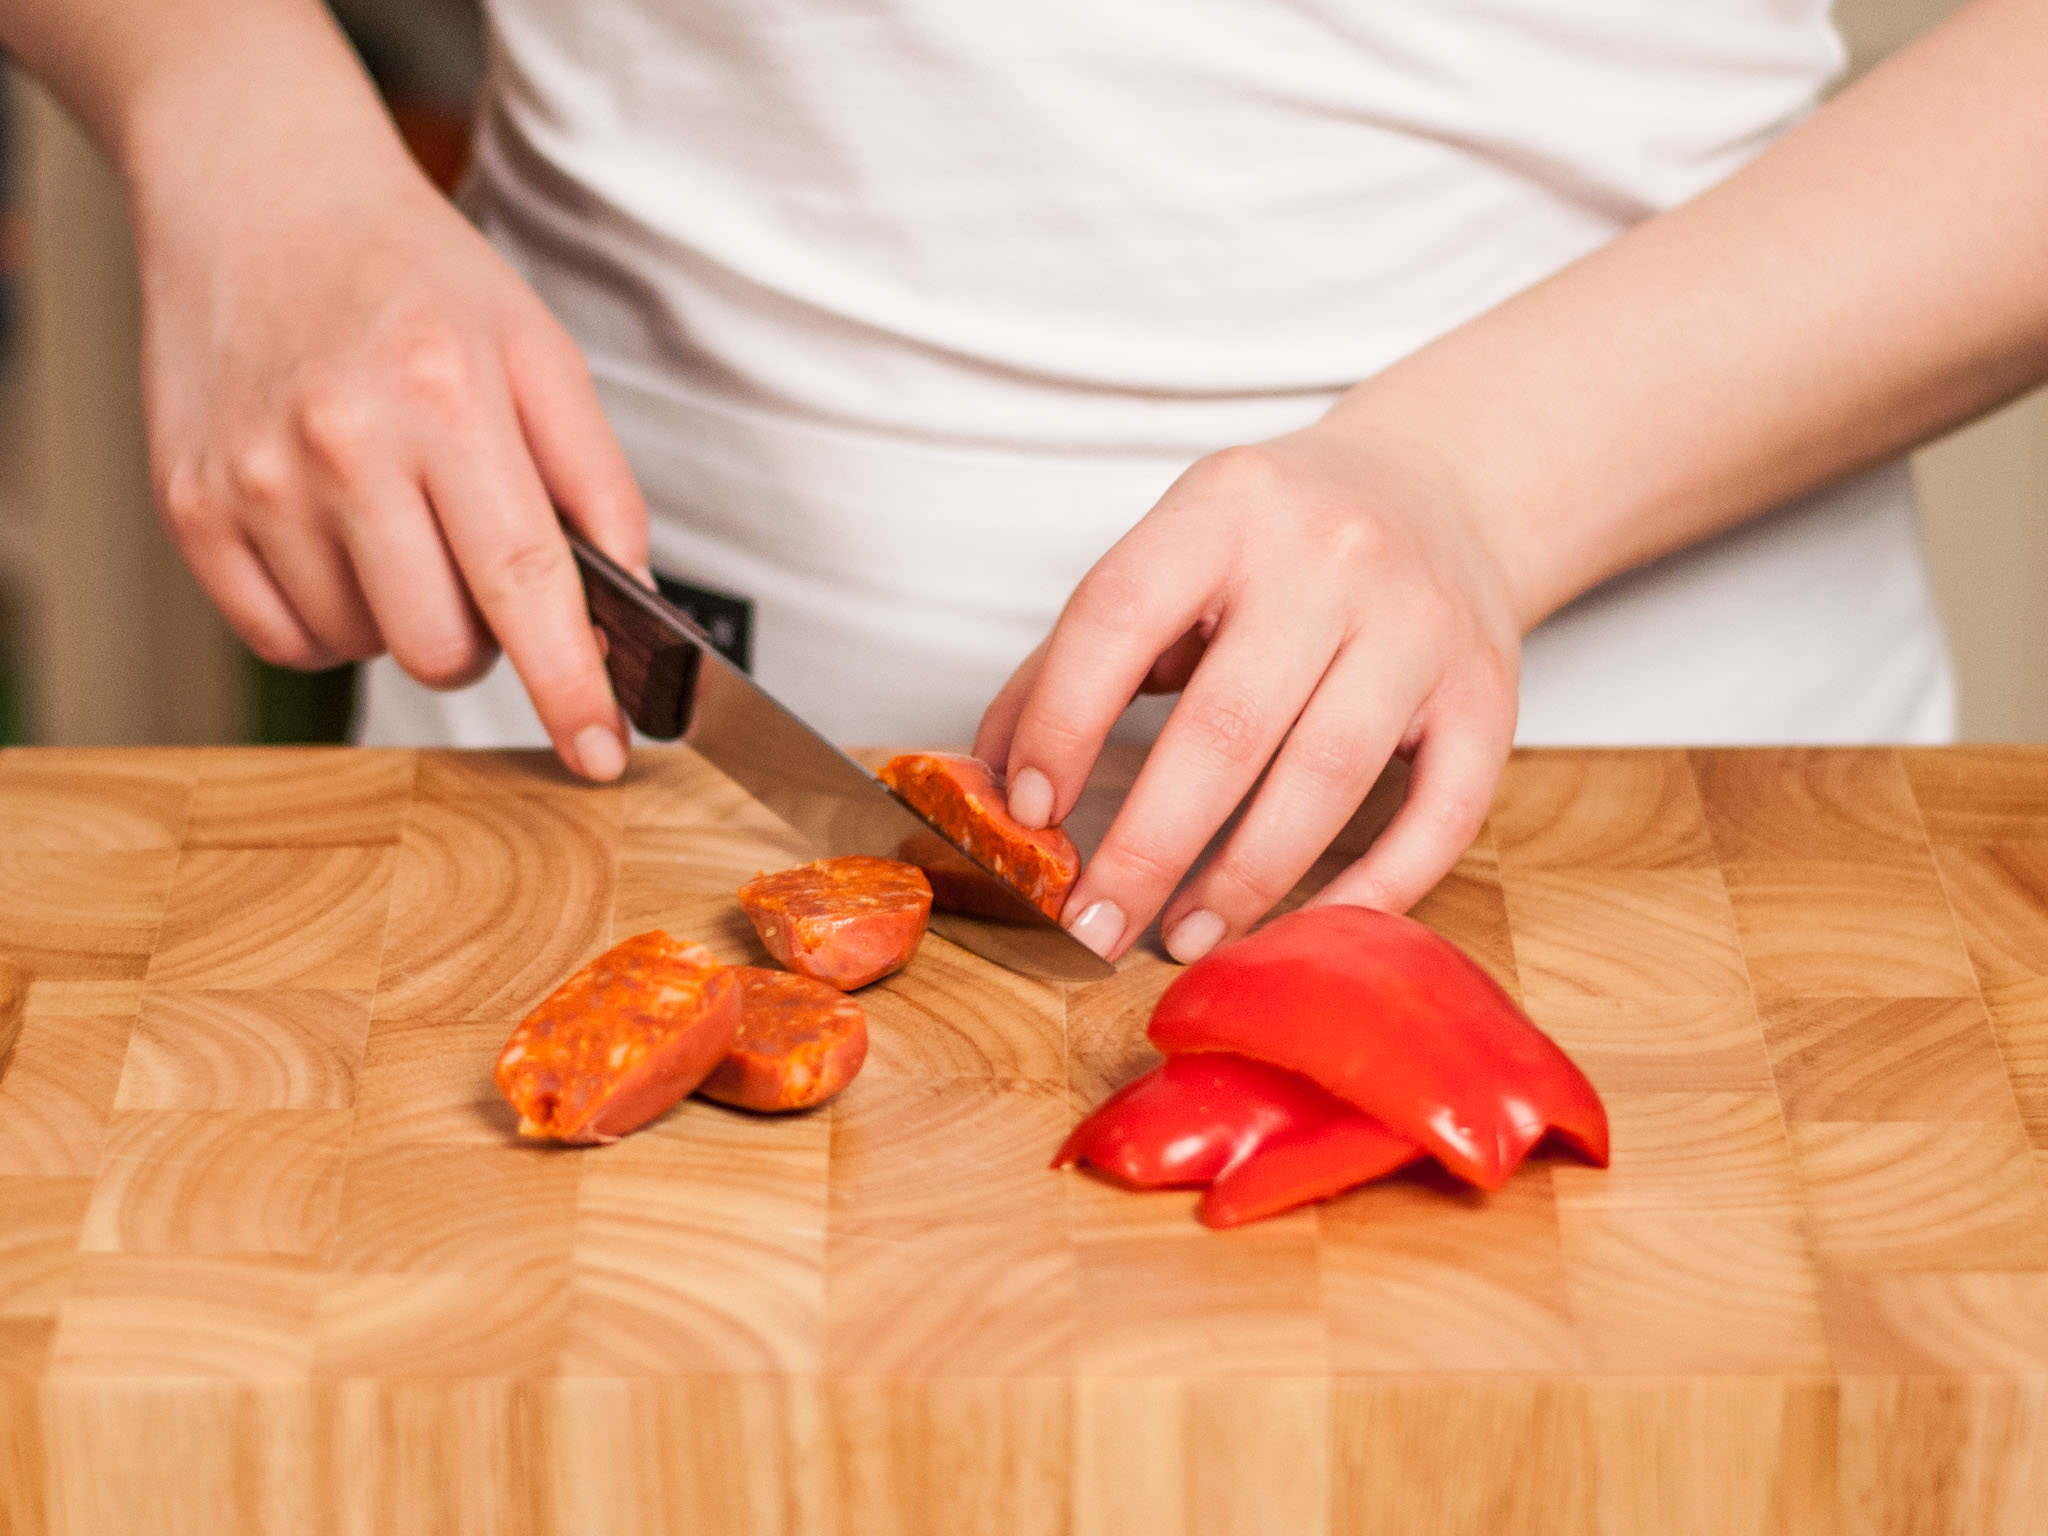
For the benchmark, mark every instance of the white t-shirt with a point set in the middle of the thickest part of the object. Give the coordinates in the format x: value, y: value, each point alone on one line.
x: 905, y: 309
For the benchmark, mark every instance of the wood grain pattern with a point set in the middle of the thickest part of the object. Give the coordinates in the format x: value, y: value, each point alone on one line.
x: 71, y: 800
x: 262, y: 918
x: 58, y: 1094
x: 218, y: 1181
x: 83, y: 916
x: 255, y: 1049
x: 231, y: 1317
x: 1422, y: 1278
x: 13, y: 1003
x: 305, y: 797
x: 497, y: 896
x: 271, y: 1259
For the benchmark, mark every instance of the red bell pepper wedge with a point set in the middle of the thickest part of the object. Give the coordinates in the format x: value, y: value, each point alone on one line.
x: 1396, y: 1021
x: 1305, y: 1163
x: 1263, y: 1140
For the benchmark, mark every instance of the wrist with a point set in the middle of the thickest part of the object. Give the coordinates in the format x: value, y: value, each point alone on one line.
x: 220, y: 129
x: 1408, y: 444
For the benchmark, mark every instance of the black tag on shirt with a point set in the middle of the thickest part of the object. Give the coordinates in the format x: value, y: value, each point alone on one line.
x: 727, y: 619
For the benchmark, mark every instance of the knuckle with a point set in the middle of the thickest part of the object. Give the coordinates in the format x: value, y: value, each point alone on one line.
x: 435, y: 372
x: 1225, y: 726
x: 1459, y: 813
x: 182, y: 497
x: 338, y: 426
x: 1243, y: 471
x: 443, y: 661
x: 1375, y: 891
x: 1049, y: 737
x: 528, y: 566
x: 1113, y: 596
x: 260, y: 470
x: 1349, y: 545
x: 1237, y: 884
x: 298, y: 653
x: 1335, y: 761
x: 1140, y: 863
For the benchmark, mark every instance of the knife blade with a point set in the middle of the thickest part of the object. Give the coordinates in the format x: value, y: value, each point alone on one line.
x: 675, y: 686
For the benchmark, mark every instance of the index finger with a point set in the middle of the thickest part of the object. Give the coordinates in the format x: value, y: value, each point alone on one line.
x: 502, y: 530
x: 1136, y: 602
x: 1242, y: 701
x: 573, y: 446
x: 999, y: 721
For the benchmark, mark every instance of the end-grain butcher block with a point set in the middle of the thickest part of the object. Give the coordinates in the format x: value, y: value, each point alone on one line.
x: 273, y: 1257
x: 13, y: 999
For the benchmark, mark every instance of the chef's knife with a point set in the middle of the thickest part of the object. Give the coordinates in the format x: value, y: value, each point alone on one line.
x: 674, y: 685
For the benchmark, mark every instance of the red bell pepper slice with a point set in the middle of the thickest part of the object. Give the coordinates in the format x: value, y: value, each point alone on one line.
x: 1396, y: 1021
x: 1263, y: 1140
x: 1305, y: 1163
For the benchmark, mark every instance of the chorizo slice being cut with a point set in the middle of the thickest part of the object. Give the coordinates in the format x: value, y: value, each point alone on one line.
x: 799, y: 1043
x: 845, y: 922
x: 622, y: 1040
x: 964, y: 797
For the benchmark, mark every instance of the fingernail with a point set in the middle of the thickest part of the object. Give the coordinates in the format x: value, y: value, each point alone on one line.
x: 1194, y: 936
x: 600, y: 752
x: 1099, y: 926
x: 1031, y: 798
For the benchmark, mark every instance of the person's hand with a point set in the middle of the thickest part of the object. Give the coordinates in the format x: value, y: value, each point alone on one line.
x: 361, y: 425
x: 1322, y: 605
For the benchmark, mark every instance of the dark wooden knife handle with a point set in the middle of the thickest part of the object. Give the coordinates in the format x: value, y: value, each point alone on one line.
x: 652, y: 651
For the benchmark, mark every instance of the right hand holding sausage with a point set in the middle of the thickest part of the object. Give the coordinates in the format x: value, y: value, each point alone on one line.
x: 361, y: 425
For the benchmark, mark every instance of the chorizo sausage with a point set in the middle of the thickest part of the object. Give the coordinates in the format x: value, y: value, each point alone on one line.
x: 845, y: 922
x: 964, y: 797
x: 799, y: 1043
x: 622, y: 1040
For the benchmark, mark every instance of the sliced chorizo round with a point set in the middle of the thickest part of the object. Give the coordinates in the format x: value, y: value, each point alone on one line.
x: 845, y: 922
x: 622, y: 1040
x: 799, y: 1043
x: 965, y: 799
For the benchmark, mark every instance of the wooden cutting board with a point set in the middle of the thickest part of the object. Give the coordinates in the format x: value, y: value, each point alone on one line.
x: 270, y: 1259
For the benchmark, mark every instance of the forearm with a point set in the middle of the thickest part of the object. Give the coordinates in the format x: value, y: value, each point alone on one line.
x: 1874, y: 278
x: 199, y: 94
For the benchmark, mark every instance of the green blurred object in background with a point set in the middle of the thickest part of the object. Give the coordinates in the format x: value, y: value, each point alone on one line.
x: 289, y: 708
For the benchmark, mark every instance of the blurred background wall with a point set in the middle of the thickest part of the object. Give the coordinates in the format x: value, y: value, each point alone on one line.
x: 103, y: 637
x: 1985, y: 494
